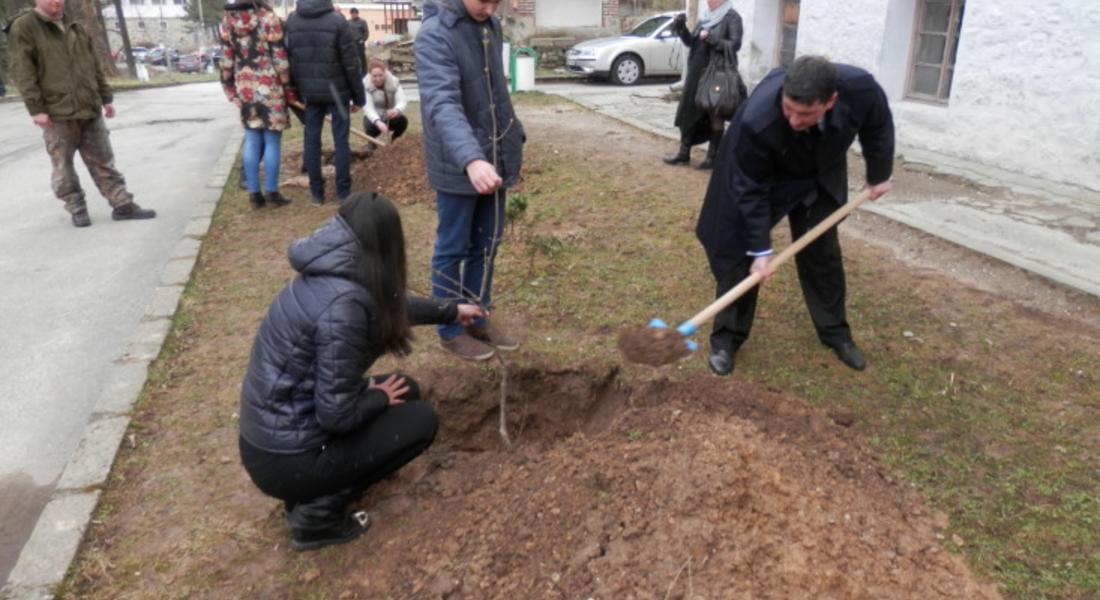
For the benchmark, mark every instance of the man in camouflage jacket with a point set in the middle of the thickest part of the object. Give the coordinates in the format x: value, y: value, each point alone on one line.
x: 65, y: 91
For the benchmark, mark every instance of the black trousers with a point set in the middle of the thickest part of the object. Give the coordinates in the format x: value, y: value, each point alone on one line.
x: 354, y: 461
x: 820, y: 273
x: 397, y: 126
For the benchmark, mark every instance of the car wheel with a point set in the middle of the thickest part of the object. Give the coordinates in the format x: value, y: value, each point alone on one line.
x: 626, y: 70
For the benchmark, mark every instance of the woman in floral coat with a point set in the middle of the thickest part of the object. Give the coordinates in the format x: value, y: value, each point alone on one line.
x: 256, y: 77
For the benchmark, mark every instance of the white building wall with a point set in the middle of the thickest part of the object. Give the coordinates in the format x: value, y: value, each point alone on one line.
x: 569, y: 13
x: 1026, y: 82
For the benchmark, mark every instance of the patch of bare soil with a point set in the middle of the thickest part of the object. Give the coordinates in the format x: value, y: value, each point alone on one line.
x: 711, y: 489
x: 396, y: 171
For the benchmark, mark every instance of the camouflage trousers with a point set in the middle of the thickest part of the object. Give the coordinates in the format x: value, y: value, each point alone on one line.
x: 91, y: 138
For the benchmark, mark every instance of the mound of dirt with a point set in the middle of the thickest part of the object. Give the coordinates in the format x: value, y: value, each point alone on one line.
x: 395, y: 171
x: 712, y: 489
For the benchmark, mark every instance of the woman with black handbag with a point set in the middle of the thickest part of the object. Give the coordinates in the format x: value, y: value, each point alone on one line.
x: 716, y: 36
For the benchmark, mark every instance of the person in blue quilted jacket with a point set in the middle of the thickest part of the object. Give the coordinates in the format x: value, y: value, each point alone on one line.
x: 314, y: 432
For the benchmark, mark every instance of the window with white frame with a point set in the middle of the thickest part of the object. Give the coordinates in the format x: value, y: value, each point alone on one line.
x: 936, y: 41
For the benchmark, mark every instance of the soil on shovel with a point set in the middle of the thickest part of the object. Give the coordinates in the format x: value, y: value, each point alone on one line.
x: 653, y: 347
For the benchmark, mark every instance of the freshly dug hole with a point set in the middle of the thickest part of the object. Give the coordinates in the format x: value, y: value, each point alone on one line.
x: 613, y: 489
x: 543, y: 405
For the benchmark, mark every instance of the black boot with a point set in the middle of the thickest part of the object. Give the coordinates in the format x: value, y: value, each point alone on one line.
x: 712, y: 149
x: 256, y: 199
x: 682, y: 157
x: 276, y: 199
x: 324, y: 521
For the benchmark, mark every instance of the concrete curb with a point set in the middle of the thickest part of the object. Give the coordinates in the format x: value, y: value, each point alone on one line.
x: 53, y: 544
x: 956, y: 233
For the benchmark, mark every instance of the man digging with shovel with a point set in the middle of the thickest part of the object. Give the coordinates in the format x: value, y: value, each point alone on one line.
x: 785, y: 154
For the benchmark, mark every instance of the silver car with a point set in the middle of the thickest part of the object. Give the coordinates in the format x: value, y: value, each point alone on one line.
x: 651, y: 48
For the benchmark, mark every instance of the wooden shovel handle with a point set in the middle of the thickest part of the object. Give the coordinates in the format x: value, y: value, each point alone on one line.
x: 361, y: 134
x: 753, y: 279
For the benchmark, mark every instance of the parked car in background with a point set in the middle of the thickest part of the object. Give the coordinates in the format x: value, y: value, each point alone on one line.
x: 162, y: 57
x: 651, y: 48
x: 138, y: 52
x: 191, y: 63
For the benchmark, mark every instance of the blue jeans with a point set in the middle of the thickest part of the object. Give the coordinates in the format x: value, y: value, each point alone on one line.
x: 315, y: 122
x: 467, y: 238
x: 265, y: 144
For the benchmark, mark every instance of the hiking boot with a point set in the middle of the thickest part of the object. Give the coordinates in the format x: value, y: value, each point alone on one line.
x: 276, y: 199
x: 131, y: 211
x: 81, y: 218
x: 256, y: 199
x: 493, y: 336
x: 467, y: 347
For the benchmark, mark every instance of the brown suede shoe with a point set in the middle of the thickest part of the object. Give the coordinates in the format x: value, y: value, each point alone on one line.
x: 467, y: 347
x: 493, y: 336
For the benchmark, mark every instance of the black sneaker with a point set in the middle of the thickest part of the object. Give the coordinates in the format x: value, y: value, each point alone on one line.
x: 131, y: 212
x: 276, y: 199
x: 316, y: 201
x: 353, y: 526
x: 81, y: 218
x: 256, y: 199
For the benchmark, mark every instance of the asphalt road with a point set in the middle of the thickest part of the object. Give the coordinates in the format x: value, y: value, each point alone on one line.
x: 70, y: 299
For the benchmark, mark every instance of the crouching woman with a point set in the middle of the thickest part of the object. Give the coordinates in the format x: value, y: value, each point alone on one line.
x: 314, y: 432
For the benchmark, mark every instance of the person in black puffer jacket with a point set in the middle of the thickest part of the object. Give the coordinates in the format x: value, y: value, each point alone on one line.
x: 313, y: 431
x: 324, y: 67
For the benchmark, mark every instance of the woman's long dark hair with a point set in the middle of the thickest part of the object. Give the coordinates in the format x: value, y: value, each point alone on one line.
x: 377, y: 225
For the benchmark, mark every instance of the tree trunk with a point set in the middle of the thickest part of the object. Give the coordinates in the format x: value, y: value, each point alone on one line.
x: 102, y: 23
x: 127, y: 49
x: 90, y: 19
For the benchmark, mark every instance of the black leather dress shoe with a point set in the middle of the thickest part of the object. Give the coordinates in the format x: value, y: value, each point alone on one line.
x: 720, y: 362
x: 850, y: 354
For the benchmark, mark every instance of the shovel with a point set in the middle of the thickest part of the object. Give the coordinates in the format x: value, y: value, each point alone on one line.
x: 658, y: 345
x: 369, y: 138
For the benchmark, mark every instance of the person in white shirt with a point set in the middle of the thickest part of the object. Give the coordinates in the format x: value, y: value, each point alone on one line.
x: 385, y: 108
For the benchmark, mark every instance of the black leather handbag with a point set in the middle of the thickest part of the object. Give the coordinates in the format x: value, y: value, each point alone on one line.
x: 720, y: 88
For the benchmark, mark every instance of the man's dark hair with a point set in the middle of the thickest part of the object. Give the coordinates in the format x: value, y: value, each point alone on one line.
x: 354, y: 11
x: 810, y: 79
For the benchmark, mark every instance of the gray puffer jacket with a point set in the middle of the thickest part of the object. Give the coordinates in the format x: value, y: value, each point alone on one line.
x: 455, y: 104
x: 305, y: 382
